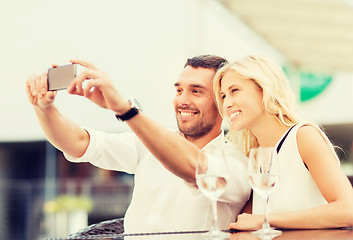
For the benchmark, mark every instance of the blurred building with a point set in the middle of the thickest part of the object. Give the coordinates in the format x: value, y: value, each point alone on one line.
x: 26, y: 184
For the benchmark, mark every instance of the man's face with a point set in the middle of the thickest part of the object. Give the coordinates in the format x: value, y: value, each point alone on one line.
x: 195, y: 107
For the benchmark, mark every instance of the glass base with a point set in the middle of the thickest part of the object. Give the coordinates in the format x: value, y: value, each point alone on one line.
x: 267, y: 233
x: 216, y: 234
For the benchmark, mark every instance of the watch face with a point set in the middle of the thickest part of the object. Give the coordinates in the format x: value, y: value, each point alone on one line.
x: 135, y: 104
x: 134, y: 110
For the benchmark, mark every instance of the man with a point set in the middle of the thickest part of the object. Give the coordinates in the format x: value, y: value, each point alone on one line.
x: 165, y: 196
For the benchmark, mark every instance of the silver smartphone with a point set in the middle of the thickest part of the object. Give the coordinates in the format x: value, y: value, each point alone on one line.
x: 60, y: 77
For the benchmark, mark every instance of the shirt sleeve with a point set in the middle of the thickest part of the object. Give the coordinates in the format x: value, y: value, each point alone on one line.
x: 237, y: 189
x: 112, y: 151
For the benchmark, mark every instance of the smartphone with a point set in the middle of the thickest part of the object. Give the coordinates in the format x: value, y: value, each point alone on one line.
x: 60, y: 77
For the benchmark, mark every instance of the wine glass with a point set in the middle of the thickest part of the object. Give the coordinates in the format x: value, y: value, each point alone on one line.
x: 211, y: 179
x: 264, y: 175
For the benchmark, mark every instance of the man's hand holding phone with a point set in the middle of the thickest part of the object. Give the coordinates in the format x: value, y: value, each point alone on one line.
x: 91, y: 83
x: 41, y: 89
x: 37, y: 91
x: 97, y: 86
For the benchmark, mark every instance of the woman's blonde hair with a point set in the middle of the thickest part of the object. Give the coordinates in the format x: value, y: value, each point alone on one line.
x: 278, y: 98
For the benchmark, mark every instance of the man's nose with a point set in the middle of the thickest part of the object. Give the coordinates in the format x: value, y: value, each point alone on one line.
x: 184, y: 99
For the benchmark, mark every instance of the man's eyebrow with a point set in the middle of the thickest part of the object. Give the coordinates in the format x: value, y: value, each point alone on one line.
x: 191, y: 85
x: 197, y: 86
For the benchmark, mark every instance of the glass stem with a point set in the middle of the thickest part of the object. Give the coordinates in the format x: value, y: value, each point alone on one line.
x: 214, y: 227
x: 266, y: 223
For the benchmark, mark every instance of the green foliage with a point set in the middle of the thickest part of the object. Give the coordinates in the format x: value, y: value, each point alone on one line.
x: 68, y: 203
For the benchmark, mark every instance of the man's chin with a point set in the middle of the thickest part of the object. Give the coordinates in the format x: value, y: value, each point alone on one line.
x: 185, y: 130
x: 191, y: 131
x: 187, y: 119
x: 185, y: 126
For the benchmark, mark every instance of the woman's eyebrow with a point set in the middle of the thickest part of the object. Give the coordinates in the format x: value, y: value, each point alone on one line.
x: 232, y: 86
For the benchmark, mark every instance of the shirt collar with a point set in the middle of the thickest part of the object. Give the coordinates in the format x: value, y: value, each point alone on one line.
x: 216, y: 142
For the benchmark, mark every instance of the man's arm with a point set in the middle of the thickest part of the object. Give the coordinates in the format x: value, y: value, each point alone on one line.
x: 176, y: 153
x: 60, y: 131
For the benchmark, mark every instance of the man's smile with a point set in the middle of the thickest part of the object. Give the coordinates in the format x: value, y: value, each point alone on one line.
x: 186, y: 114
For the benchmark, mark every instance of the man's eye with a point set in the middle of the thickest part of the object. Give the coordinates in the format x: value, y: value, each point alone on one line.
x: 196, y: 91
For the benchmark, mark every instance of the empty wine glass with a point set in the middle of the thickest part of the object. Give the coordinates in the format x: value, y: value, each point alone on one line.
x: 211, y: 178
x: 264, y: 175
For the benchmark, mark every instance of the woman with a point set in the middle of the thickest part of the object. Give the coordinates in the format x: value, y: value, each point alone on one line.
x: 253, y: 95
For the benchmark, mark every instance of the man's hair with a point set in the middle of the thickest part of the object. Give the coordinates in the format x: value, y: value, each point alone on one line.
x: 206, y: 61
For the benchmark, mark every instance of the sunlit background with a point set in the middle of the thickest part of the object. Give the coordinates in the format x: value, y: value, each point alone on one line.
x: 143, y: 45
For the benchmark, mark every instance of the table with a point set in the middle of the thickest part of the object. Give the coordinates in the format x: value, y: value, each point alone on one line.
x: 322, y: 234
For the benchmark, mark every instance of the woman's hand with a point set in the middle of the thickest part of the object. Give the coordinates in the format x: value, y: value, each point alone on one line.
x: 248, y: 222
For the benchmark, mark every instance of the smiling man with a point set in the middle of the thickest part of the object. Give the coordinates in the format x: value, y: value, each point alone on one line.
x: 165, y: 196
x: 196, y: 112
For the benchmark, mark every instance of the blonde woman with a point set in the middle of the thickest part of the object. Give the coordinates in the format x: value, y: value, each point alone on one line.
x: 254, y: 97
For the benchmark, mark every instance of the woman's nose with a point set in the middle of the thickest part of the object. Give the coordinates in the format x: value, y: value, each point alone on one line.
x: 227, y: 102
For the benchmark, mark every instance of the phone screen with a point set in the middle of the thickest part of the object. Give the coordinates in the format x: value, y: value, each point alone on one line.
x: 60, y: 77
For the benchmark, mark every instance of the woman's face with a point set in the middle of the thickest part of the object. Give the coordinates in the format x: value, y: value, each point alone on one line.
x: 242, y: 101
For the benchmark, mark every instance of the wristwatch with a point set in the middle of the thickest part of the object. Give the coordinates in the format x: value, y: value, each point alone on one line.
x: 134, y: 110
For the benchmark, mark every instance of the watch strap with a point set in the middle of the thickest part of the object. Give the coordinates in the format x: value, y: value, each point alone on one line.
x: 128, y: 115
x: 133, y: 111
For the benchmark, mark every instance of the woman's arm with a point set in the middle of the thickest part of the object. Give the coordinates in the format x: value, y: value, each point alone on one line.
x: 331, y: 181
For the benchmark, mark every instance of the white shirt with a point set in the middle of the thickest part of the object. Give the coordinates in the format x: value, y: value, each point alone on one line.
x: 161, y: 201
x: 296, y: 189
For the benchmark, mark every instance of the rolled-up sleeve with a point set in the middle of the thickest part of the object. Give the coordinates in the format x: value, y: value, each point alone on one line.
x: 237, y: 189
x: 112, y: 151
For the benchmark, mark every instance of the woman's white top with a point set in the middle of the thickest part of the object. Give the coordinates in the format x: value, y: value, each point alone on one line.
x: 296, y: 189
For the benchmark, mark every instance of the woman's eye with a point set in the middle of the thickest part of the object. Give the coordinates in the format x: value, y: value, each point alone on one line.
x: 234, y: 90
x: 223, y: 96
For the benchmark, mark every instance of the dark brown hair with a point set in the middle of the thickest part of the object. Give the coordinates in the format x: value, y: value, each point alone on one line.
x: 206, y: 61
